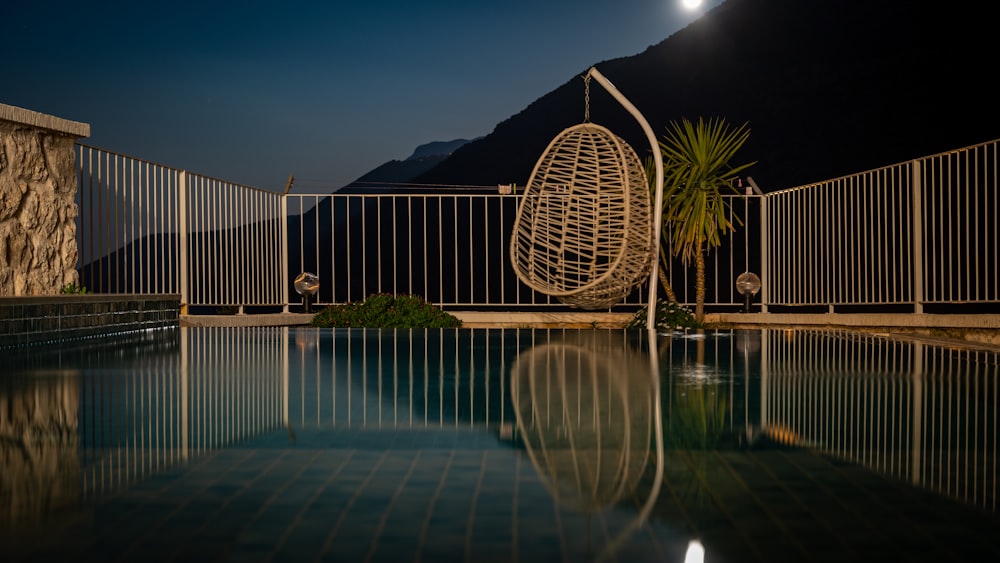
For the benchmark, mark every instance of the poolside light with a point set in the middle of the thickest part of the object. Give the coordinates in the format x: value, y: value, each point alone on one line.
x: 307, y: 284
x: 695, y: 552
x: 748, y: 284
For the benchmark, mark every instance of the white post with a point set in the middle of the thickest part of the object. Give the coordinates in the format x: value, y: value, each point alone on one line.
x: 918, y: 237
x: 182, y: 235
x: 283, y: 275
x: 658, y: 201
x: 764, y: 273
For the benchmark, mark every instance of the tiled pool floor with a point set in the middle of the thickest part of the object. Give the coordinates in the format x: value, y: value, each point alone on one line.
x: 477, y: 501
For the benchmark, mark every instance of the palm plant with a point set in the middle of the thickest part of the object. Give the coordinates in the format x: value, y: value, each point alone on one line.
x: 696, y: 171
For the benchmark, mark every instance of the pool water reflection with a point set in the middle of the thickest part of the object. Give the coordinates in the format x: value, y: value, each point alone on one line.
x: 498, y: 445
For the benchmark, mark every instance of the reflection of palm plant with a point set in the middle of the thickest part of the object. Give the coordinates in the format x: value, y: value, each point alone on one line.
x: 693, y: 428
x: 696, y: 417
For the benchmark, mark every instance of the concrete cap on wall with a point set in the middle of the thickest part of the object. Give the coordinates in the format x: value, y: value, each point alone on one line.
x: 43, y: 121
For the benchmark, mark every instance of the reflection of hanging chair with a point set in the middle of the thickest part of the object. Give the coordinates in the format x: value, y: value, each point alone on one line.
x: 584, y: 231
x: 584, y: 407
x: 587, y: 406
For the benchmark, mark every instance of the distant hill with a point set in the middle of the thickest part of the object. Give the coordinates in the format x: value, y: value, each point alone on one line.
x: 437, y: 149
x: 424, y: 158
x: 828, y: 88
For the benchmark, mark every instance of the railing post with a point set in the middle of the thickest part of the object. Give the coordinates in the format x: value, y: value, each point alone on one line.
x: 283, y: 275
x: 764, y: 274
x: 917, y: 181
x: 182, y: 243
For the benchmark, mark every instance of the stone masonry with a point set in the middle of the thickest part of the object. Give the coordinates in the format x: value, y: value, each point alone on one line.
x: 38, y: 248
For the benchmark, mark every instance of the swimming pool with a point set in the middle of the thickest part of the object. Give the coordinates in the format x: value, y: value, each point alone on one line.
x: 286, y: 444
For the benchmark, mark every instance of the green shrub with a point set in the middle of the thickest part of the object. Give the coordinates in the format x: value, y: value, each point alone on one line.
x: 72, y: 289
x: 384, y: 310
x: 668, y: 316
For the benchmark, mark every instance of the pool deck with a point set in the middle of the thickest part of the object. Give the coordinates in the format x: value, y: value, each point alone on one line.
x: 976, y: 330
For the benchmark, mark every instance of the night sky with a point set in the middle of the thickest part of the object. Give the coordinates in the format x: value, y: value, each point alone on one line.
x: 252, y: 92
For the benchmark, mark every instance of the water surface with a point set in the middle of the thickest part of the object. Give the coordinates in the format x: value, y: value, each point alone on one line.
x: 309, y: 444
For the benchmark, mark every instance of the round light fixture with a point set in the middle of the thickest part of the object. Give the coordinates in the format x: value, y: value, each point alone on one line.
x: 307, y: 284
x: 748, y: 284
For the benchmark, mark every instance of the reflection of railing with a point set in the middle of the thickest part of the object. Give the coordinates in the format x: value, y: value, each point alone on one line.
x: 235, y: 380
x: 922, y: 414
x: 230, y: 385
x: 221, y: 387
x: 402, y: 379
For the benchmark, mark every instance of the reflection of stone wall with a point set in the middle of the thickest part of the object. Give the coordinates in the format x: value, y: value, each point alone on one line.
x: 38, y: 249
x: 39, y: 463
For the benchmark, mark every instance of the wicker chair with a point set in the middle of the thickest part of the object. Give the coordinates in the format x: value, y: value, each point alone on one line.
x: 583, y: 232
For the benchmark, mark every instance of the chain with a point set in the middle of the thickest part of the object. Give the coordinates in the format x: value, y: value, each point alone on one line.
x: 586, y: 98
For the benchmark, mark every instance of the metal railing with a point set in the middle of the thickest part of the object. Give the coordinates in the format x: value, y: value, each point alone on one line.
x: 147, y: 228
x: 452, y: 250
x: 916, y: 233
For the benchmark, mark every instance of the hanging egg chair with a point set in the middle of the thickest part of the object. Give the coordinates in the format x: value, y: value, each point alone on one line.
x: 584, y: 228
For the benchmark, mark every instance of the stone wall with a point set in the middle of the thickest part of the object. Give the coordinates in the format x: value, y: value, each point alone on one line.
x: 38, y: 248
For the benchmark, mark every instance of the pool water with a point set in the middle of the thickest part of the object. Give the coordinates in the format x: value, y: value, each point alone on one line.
x: 289, y: 444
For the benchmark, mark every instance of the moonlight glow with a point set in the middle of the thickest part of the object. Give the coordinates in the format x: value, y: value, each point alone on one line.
x: 691, y: 4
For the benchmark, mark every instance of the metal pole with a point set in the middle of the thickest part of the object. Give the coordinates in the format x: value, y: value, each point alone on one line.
x: 918, y: 237
x: 764, y: 271
x: 658, y: 203
x: 182, y: 243
x: 283, y: 276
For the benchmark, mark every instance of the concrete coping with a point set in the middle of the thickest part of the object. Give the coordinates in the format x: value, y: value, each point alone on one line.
x: 43, y: 121
x: 61, y: 298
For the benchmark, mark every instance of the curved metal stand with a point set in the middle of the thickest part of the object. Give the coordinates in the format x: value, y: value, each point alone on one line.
x: 658, y: 199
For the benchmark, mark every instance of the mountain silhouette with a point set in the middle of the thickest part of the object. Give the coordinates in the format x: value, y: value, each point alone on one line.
x: 827, y: 87
x: 388, y: 175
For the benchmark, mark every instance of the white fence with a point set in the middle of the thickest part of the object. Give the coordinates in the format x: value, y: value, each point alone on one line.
x: 147, y: 228
x: 918, y: 233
